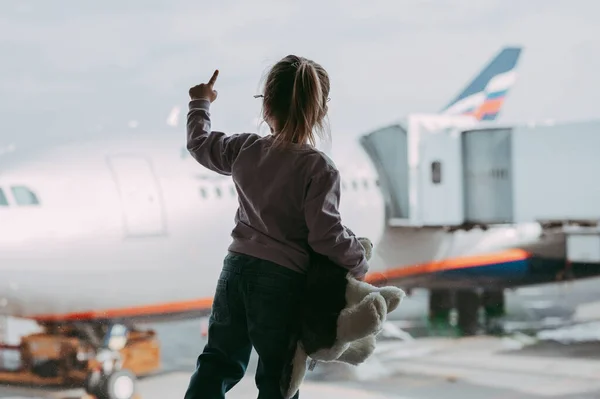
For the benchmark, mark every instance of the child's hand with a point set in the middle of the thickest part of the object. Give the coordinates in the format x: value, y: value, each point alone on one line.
x: 205, y: 90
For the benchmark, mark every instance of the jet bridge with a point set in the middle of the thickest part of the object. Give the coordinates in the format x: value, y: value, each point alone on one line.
x: 413, y: 158
x: 440, y: 171
x: 521, y: 185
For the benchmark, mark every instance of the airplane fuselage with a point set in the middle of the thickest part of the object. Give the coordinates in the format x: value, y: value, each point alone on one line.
x: 129, y: 222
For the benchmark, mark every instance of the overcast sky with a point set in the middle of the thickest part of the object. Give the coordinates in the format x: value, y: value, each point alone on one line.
x: 73, y: 67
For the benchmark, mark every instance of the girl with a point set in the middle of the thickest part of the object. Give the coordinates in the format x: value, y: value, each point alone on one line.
x: 288, y: 200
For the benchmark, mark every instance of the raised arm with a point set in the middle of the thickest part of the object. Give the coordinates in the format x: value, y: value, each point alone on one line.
x: 213, y: 150
x: 326, y: 233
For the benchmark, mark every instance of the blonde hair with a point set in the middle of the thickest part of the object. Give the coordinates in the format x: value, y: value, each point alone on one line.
x: 295, y: 99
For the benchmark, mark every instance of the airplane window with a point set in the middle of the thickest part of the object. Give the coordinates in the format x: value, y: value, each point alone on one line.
x: 3, y: 199
x: 24, y: 196
x: 203, y: 192
x: 436, y: 172
x: 232, y: 190
x: 218, y: 191
x: 354, y: 184
x: 343, y: 186
x: 377, y: 182
x: 366, y: 184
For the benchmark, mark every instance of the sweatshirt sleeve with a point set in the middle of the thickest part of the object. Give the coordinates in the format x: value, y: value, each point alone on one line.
x: 326, y: 233
x: 213, y: 150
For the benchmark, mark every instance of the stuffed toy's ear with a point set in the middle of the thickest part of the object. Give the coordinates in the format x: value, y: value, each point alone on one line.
x: 367, y: 245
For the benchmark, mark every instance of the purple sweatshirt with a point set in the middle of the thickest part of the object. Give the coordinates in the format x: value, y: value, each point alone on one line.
x: 288, y: 197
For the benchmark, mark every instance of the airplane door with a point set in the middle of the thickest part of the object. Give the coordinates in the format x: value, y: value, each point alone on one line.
x: 140, y: 196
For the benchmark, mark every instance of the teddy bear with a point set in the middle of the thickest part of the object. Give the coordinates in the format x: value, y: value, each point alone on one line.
x: 339, y: 320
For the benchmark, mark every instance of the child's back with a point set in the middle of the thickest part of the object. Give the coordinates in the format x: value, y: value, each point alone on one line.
x: 288, y: 201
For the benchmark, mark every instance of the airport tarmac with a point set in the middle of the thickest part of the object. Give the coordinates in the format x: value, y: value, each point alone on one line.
x: 477, y: 367
x: 427, y: 367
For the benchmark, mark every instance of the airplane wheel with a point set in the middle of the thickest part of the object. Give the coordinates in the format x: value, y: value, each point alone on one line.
x: 468, y: 304
x: 120, y: 384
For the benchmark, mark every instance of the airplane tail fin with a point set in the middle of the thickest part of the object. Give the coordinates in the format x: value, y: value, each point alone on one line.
x: 484, y: 96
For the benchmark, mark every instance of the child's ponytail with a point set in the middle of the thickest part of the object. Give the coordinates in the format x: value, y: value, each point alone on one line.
x: 296, y: 94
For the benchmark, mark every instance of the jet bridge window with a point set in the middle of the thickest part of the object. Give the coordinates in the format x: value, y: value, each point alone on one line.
x: 436, y: 172
x: 3, y: 199
x: 24, y: 196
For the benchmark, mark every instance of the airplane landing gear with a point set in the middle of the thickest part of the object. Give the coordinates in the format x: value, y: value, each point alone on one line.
x: 108, y: 379
x: 119, y: 384
x: 467, y: 303
x: 440, y: 308
x: 105, y: 360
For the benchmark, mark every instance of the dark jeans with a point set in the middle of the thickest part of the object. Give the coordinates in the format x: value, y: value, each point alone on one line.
x: 256, y: 305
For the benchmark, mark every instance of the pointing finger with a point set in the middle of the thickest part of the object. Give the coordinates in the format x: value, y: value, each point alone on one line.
x: 213, y: 79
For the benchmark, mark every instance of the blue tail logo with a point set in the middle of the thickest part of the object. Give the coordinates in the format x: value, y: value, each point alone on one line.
x: 484, y: 96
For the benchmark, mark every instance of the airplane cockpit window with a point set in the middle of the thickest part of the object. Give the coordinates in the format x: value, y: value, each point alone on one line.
x: 3, y: 199
x: 24, y: 196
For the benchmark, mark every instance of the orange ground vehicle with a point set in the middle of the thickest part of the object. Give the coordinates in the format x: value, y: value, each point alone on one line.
x: 74, y: 356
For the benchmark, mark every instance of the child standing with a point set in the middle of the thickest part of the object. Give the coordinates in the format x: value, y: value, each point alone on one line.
x: 289, y: 195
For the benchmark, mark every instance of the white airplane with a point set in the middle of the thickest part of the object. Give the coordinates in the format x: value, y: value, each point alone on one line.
x: 130, y: 228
